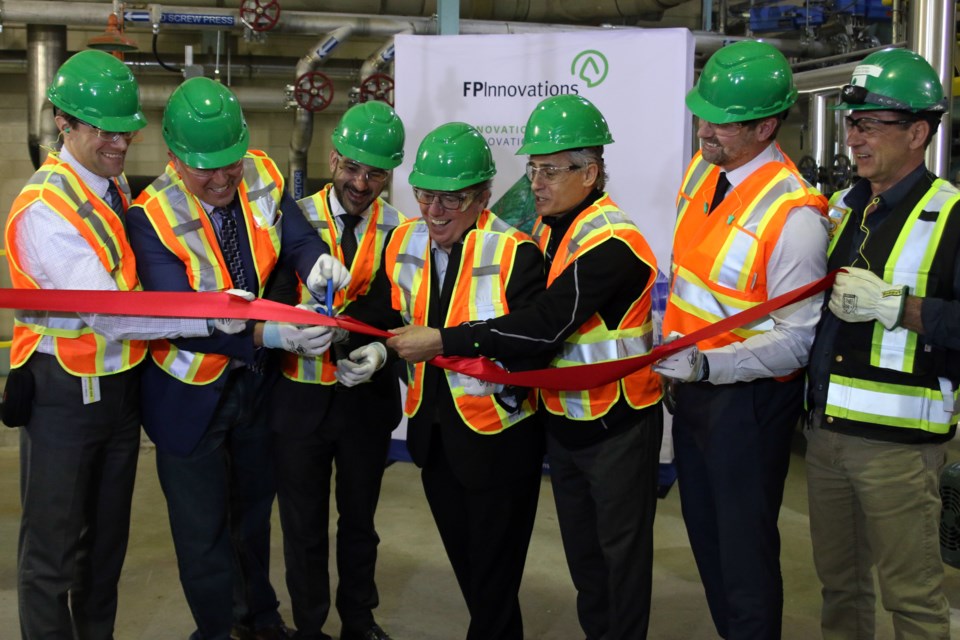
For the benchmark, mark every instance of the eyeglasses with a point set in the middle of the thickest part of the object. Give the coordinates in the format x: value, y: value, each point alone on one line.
x: 450, y: 201
x: 727, y: 129
x: 872, y: 126
x: 549, y: 173
x: 206, y: 174
x: 111, y: 136
x: 853, y: 94
x: 354, y: 170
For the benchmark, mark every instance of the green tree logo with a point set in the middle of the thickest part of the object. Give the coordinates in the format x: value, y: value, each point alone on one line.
x: 591, y: 66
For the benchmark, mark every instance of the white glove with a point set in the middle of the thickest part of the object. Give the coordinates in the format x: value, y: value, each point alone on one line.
x: 475, y: 387
x: 686, y: 365
x: 363, y: 363
x: 233, y: 325
x: 339, y: 333
x: 327, y: 269
x: 860, y: 296
x: 311, y: 340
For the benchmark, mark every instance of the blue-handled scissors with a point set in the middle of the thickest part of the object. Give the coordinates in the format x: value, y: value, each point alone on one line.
x: 330, y: 298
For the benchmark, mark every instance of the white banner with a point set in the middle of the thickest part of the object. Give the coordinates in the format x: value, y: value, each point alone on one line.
x: 637, y: 78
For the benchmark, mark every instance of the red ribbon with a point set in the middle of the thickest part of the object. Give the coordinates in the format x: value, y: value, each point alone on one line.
x: 171, y: 304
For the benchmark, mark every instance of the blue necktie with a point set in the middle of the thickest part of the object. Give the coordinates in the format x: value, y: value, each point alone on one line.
x: 230, y: 247
x: 113, y: 198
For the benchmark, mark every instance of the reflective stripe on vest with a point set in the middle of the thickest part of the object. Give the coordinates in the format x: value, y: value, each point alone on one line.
x: 79, y: 350
x: 479, y: 293
x: 893, y: 405
x: 381, y: 219
x: 719, y: 260
x: 184, y: 227
x: 593, y: 341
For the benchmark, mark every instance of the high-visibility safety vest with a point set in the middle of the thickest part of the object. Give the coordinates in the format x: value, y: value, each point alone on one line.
x: 890, y: 378
x: 380, y: 220
x: 479, y: 293
x: 594, y: 341
x: 80, y: 351
x: 185, y: 229
x: 720, y: 258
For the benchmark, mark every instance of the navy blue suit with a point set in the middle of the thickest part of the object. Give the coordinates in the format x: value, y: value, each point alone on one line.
x: 213, y: 442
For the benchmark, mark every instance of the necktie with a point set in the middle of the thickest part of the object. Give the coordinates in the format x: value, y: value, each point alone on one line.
x: 348, y: 239
x: 230, y: 247
x: 722, y: 185
x: 113, y: 198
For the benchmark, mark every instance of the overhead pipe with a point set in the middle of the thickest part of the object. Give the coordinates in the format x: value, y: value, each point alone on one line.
x: 46, y: 49
x: 303, y: 120
x: 932, y: 25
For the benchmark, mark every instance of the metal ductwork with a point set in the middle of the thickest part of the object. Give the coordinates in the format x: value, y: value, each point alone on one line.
x: 46, y: 51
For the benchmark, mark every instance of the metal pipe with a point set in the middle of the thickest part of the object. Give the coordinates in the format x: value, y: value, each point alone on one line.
x: 822, y: 79
x: 303, y: 121
x: 859, y: 54
x: 46, y: 48
x: 932, y: 26
x: 820, y: 122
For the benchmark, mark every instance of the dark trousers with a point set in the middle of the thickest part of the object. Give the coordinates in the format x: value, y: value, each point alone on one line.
x: 485, y: 532
x: 606, y: 496
x: 78, y: 463
x: 304, y: 463
x: 219, y: 500
x: 732, y: 445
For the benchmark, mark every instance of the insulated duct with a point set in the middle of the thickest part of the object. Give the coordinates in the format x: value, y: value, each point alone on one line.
x: 46, y: 51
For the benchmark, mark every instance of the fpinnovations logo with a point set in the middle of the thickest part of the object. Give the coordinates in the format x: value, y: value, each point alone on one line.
x: 591, y: 66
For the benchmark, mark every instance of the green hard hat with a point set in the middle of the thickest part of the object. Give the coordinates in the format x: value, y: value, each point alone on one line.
x: 98, y: 89
x: 451, y: 157
x: 743, y: 81
x: 203, y: 124
x: 894, y: 79
x: 564, y: 122
x: 370, y: 133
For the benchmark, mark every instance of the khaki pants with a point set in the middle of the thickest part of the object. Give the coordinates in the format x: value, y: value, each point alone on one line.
x: 877, y: 504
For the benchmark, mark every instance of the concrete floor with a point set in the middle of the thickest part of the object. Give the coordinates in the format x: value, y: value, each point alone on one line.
x: 419, y: 596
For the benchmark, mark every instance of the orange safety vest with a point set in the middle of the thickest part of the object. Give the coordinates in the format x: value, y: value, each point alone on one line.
x: 479, y: 293
x: 185, y: 229
x: 381, y: 219
x: 80, y: 351
x: 720, y: 260
x: 594, y: 341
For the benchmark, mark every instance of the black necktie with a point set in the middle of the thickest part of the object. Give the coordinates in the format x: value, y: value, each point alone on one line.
x: 722, y: 185
x: 113, y: 198
x: 348, y: 239
x: 230, y: 247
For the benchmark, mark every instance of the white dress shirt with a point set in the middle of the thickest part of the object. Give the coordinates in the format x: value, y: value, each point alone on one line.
x: 56, y: 256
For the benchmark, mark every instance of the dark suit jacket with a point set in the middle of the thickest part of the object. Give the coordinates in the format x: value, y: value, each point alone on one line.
x: 478, y: 460
x: 175, y: 414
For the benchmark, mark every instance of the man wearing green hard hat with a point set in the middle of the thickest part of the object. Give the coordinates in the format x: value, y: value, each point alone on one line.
x: 480, y: 446
x: 74, y: 378
x: 885, y: 366
x: 749, y: 228
x: 603, y: 441
x: 218, y: 216
x: 322, y: 415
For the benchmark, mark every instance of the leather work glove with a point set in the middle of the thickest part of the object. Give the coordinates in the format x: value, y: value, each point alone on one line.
x: 233, y: 325
x: 327, y: 269
x: 363, y: 362
x: 312, y: 340
x: 860, y: 295
x: 686, y: 365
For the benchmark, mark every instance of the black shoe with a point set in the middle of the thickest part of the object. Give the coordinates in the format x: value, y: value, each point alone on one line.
x: 277, y: 631
x: 374, y: 632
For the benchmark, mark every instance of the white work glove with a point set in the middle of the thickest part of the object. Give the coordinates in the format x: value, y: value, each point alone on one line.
x: 233, y: 325
x: 860, y: 295
x: 362, y: 364
x: 327, y: 269
x: 686, y: 365
x: 312, y: 340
